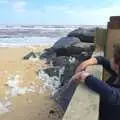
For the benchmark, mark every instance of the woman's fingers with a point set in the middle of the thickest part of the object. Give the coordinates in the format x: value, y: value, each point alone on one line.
x: 76, y: 76
x: 85, y: 64
x: 80, y: 76
x: 81, y: 67
x: 84, y: 75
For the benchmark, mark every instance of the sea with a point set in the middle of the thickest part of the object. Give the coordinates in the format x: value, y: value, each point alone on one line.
x: 26, y: 35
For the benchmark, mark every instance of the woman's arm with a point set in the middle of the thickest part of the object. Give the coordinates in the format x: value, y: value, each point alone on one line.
x: 105, y: 63
x: 107, y: 93
x: 85, y: 64
x: 96, y: 60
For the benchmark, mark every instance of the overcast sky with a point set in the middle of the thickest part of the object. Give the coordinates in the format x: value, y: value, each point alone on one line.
x: 75, y: 12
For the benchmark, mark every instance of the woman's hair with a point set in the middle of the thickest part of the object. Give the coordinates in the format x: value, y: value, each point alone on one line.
x: 116, y: 52
x: 116, y: 57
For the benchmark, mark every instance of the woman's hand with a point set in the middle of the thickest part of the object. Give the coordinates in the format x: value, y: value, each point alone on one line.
x: 85, y: 64
x: 80, y: 76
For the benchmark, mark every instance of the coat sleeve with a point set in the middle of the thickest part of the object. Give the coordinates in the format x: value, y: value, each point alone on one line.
x: 107, y: 93
x: 106, y: 64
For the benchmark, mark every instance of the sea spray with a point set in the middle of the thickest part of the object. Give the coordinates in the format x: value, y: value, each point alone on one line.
x: 52, y: 83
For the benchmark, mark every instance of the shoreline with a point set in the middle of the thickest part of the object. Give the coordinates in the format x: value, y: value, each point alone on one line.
x: 28, y: 95
x: 26, y: 46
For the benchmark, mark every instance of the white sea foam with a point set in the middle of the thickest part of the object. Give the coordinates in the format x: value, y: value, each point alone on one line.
x: 72, y: 59
x: 14, y: 88
x: 4, y: 107
x: 13, y: 84
x: 51, y: 83
x: 27, y: 41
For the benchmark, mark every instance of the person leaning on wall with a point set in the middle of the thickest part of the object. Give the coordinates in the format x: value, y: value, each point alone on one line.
x: 109, y: 91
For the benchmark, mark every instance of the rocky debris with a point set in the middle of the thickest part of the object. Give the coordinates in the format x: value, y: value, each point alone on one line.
x: 64, y: 94
x: 63, y: 47
x: 32, y: 55
x: 68, y: 46
x: 63, y: 88
x: 56, y: 113
x: 63, y: 58
x: 79, y: 51
x: 59, y: 61
x: 48, y: 55
x: 52, y: 71
x: 65, y: 42
x: 74, y: 44
x: 51, y: 82
x: 75, y: 49
x: 29, y: 55
x: 68, y: 73
x: 85, y: 35
x: 57, y: 76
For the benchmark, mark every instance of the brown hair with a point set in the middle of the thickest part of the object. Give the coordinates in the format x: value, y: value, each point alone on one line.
x: 116, y: 52
x: 116, y: 57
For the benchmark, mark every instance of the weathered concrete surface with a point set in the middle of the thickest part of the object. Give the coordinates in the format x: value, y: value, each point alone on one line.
x: 85, y: 103
x: 113, y: 36
x: 101, y: 38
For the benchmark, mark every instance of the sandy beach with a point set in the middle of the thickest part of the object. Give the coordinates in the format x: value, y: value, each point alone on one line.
x: 33, y: 104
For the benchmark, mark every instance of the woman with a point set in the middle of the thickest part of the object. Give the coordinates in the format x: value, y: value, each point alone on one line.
x: 109, y: 91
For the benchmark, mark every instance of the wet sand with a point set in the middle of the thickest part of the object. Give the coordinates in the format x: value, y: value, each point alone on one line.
x: 29, y: 106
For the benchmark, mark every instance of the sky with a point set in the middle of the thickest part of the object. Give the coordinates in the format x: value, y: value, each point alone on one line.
x: 58, y: 12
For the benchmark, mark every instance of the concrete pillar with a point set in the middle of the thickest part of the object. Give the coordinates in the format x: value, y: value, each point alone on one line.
x: 113, y: 35
x: 101, y: 38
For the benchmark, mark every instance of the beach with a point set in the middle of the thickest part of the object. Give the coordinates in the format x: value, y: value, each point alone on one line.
x: 25, y: 90
x: 23, y: 95
x: 27, y: 101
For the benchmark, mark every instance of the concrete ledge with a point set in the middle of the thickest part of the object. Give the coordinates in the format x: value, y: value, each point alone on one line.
x: 85, y: 103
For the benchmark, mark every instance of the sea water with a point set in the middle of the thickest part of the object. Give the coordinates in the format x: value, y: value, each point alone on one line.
x: 15, y: 36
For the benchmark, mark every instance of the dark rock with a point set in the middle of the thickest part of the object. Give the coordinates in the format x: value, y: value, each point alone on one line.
x: 48, y: 49
x: 64, y: 94
x: 29, y: 55
x: 84, y: 45
x: 66, y: 90
x: 60, y: 61
x: 69, y: 68
x: 51, y: 112
x: 76, y: 33
x: 68, y: 72
x: 84, y: 56
x: 52, y: 71
x: 80, y: 51
x: 65, y: 42
x: 85, y: 35
x: 67, y: 46
x: 48, y: 53
x: 67, y: 87
x: 75, y: 49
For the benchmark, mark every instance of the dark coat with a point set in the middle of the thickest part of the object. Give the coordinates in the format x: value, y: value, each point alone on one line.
x: 108, y: 91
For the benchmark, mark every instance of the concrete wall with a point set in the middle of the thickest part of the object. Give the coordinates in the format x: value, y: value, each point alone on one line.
x: 113, y: 36
x: 101, y: 37
x: 85, y: 103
